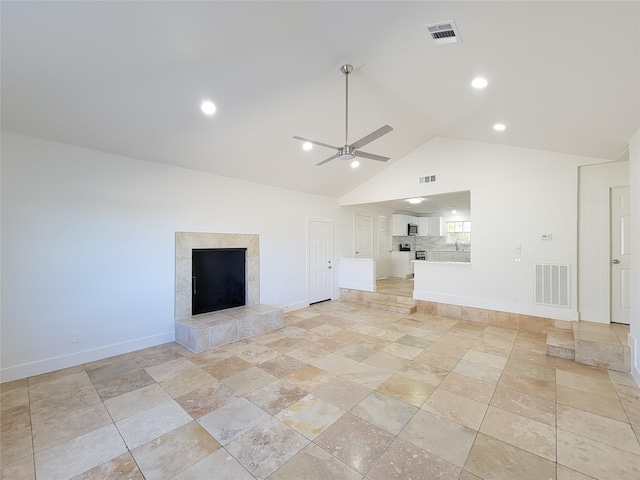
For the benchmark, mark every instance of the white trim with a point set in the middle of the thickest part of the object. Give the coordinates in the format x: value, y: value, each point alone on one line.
x: 497, y: 305
x: 78, y: 358
x: 353, y: 250
x: 635, y: 370
x: 308, y: 267
x: 295, y: 306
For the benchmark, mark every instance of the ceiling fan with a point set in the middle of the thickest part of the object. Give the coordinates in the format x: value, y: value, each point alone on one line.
x: 350, y: 151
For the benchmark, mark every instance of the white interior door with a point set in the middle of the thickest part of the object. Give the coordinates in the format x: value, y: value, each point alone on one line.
x: 363, y: 234
x: 384, y: 246
x: 620, y: 254
x: 320, y: 266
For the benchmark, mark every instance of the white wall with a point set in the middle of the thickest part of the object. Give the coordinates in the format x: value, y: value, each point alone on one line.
x: 517, y: 195
x: 88, y: 246
x: 634, y: 174
x: 594, y: 239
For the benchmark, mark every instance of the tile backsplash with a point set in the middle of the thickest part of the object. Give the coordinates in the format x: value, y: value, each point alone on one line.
x: 424, y: 243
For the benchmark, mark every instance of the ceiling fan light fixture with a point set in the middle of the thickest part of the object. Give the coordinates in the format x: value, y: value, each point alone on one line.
x: 355, y: 164
x: 479, y: 82
x: 415, y: 200
x: 306, y: 146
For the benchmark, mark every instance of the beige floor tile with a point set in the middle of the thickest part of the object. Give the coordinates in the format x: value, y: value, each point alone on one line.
x: 224, y: 465
x: 591, y: 402
x: 444, y: 438
x: 313, y: 462
x: 310, y: 416
x: 15, y: 445
x: 255, y: 353
x: 15, y: 418
x: 209, y: 357
x: 19, y: 470
x: 596, y: 459
x: 424, y: 373
x: 227, y: 367
x: 403, y: 461
x: 539, y: 372
x: 62, y: 403
x: 435, y: 359
x: 129, y: 404
x: 477, y: 371
x: 535, y: 408
x: 308, y: 378
x: 124, y: 384
x: 630, y: 398
x: 487, y: 359
x: 229, y: 422
x: 586, y: 370
x: 188, y: 381
x: 586, y: 383
x: 342, y: 393
x: 308, y: 354
x: 58, y: 385
x: 276, y: 396
x: 457, y: 340
x: 367, y: 375
x: 205, y: 400
x: 59, y: 374
x: 385, y: 412
x: 69, y: 426
x: 152, y: 423
x: 112, y: 370
x: 457, y: 408
x: 491, y: 459
x: 356, y: 352
x: 335, y: 364
x: 281, y: 365
x: 266, y: 447
x: 249, y: 380
x: 157, y: 355
x: 386, y: 361
x: 406, y: 389
x: 522, y: 432
x: 447, y: 349
x: 18, y: 396
x: 531, y: 386
x: 171, y: 369
x: 174, y: 452
x: 598, y: 428
x: 532, y: 357
x: 565, y: 473
x: 403, y: 351
x: 468, y: 387
x: 355, y: 442
x: 83, y: 453
x: 117, y: 469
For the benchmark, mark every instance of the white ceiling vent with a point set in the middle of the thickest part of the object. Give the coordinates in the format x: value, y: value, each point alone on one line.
x: 444, y: 32
x: 427, y: 179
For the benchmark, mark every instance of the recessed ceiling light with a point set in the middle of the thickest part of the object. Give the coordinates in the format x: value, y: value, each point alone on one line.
x: 208, y: 108
x: 479, y: 82
x: 355, y: 164
x: 415, y: 200
x: 307, y: 146
x: 499, y: 127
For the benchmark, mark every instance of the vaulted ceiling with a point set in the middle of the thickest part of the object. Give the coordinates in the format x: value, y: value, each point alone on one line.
x: 128, y: 78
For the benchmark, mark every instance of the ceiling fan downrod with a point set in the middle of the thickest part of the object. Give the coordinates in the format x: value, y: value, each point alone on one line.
x: 346, y: 69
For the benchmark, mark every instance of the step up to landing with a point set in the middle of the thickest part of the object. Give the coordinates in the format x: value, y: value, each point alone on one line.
x: 600, y: 345
x: 392, y: 306
x: 202, y: 332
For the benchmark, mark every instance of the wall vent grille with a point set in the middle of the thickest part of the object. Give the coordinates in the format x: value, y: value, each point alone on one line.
x: 427, y: 179
x: 551, y: 285
x: 444, y: 32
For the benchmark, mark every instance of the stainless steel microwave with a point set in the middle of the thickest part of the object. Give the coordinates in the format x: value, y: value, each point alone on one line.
x: 413, y: 229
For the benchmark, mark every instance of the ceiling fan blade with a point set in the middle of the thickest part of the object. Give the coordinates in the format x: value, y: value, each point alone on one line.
x: 371, y: 137
x: 317, y: 143
x: 371, y: 156
x: 332, y: 157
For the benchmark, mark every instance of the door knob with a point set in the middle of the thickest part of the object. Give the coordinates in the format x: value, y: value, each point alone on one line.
x: 615, y: 261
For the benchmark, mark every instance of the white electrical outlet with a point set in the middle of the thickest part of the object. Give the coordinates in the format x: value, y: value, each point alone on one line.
x: 547, y: 236
x: 75, y: 337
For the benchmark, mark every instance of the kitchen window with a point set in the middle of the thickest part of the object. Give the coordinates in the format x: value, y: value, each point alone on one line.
x: 459, y: 232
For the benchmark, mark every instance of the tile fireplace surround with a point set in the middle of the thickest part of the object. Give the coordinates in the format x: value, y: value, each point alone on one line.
x: 208, y: 330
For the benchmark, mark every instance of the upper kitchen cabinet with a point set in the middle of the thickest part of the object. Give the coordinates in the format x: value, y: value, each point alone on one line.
x: 430, y: 226
x: 401, y: 223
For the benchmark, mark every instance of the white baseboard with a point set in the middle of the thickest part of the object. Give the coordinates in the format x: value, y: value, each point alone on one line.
x: 555, y: 313
x: 78, y: 358
x: 294, y: 306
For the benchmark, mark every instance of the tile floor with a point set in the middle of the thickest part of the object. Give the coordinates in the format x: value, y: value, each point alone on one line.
x: 341, y: 392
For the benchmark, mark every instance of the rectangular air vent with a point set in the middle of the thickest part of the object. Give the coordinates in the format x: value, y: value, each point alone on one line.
x: 444, y: 32
x: 427, y: 179
x: 551, y: 285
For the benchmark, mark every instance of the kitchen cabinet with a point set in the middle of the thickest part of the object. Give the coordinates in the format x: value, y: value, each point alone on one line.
x: 423, y: 226
x: 448, y: 256
x: 401, y: 263
x: 400, y: 224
